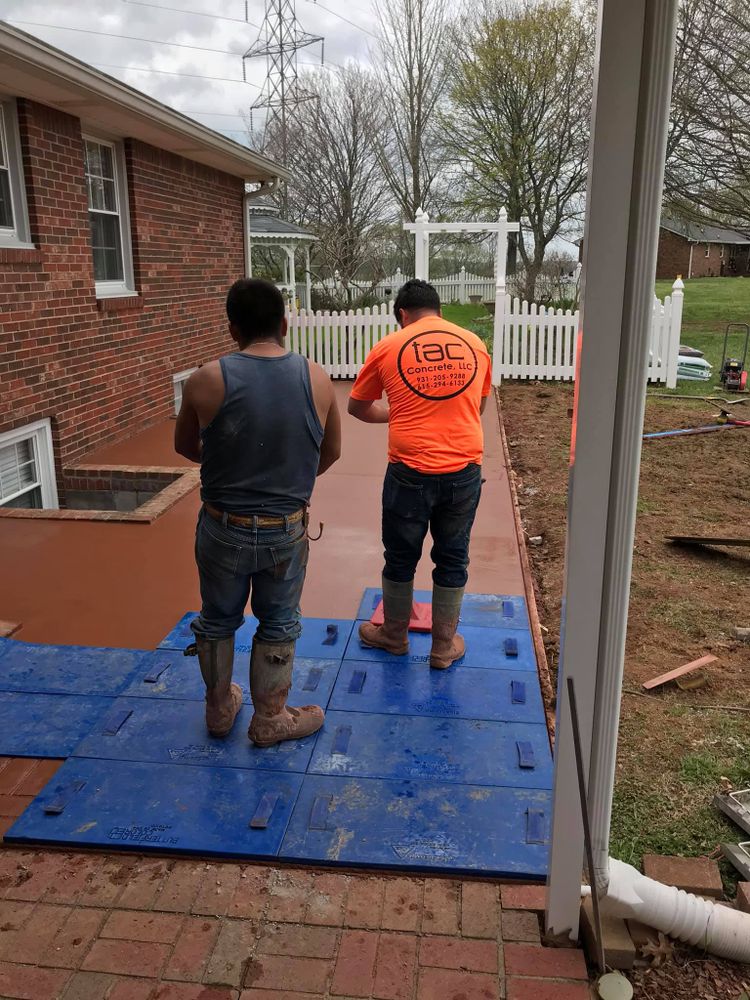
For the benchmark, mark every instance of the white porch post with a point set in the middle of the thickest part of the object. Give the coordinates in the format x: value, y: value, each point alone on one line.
x: 308, y: 280
x: 501, y: 263
x: 292, y: 251
x: 634, y: 60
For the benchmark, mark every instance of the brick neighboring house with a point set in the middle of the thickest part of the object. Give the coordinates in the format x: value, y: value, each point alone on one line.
x: 698, y: 251
x: 122, y: 223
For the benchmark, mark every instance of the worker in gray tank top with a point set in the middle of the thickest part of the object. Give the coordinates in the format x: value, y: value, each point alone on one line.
x: 263, y: 424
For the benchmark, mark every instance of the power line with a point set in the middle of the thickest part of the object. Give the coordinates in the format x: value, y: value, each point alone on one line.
x: 129, y: 38
x: 341, y: 17
x: 195, y: 13
x: 167, y: 72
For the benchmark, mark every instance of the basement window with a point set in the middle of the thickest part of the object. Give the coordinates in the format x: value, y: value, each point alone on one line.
x: 108, y: 217
x: 14, y: 219
x: 178, y: 383
x: 27, y: 468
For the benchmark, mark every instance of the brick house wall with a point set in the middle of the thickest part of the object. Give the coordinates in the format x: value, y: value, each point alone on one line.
x: 102, y: 370
x: 673, y: 256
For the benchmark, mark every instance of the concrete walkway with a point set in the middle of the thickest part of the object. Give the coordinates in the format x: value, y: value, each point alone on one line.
x: 116, y: 584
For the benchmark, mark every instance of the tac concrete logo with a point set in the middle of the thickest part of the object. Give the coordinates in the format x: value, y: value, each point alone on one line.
x: 437, y: 365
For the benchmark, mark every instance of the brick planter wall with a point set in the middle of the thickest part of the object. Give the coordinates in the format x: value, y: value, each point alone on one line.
x: 103, y: 370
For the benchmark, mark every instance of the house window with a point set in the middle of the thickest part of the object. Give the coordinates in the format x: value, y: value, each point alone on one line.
x: 27, y: 467
x: 178, y: 382
x: 721, y: 252
x: 108, y: 217
x: 14, y: 220
x: 708, y: 250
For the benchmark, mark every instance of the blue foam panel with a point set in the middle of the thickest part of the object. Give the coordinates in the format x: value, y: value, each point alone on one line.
x: 161, y: 807
x: 170, y: 674
x: 85, y: 670
x: 420, y: 825
x: 489, y: 610
x: 174, y: 732
x: 46, y: 725
x: 485, y: 648
x: 322, y: 638
x: 182, y: 635
x: 388, y: 688
x: 466, y: 751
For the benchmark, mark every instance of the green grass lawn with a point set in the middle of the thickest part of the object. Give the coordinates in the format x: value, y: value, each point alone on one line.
x: 709, y: 305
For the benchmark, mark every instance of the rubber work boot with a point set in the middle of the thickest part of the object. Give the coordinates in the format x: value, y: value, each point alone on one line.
x: 447, y: 645
x: 223, y: 698
x: 393, y: 634
x: 271, y: 666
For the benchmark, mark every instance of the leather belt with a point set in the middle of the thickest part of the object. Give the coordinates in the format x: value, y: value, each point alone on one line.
x: 254, y: 520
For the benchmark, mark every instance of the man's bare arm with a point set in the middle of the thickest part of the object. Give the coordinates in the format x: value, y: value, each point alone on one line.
x: 187, y: 431
x: 330, y: 447
x: 369, y: 411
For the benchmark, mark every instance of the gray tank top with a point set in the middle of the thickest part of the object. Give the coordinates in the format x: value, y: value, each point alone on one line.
x: 261, y: 451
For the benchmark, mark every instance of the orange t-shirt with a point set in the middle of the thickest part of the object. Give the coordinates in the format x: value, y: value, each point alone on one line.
x: 435, y: 375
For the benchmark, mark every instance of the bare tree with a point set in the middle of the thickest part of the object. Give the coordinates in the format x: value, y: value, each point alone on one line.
x: 519, y: 121
x: 337, y: 188
x: 412, y: 79
x: 708, y: 155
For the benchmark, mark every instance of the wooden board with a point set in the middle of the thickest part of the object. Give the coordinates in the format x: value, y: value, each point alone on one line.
x: 678, y: 672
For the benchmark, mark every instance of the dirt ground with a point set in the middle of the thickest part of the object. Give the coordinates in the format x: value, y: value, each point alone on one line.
x: 685, y: 602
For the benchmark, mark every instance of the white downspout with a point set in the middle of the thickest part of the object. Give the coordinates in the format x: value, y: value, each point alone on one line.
x: 690, y: 262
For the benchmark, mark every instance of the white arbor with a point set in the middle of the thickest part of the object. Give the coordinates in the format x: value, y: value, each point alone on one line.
x: 422, y: 228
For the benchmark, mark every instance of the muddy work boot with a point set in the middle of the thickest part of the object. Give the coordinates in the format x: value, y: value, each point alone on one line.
x: 447, y: 645
x: 271, y: 666
x: 223, y: 698
x: 393, y: 634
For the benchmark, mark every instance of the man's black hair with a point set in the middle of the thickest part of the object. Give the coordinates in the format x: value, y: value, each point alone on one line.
x: 415, y: 295
x: 256, y: 308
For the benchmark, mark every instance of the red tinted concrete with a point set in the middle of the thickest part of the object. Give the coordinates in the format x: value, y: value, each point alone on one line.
x: 126, y: 584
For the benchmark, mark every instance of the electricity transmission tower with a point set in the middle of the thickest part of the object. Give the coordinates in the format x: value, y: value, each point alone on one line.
x: 279, y: 40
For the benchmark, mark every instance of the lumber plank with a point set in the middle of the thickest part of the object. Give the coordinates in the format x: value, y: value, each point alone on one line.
x: 671, y: 675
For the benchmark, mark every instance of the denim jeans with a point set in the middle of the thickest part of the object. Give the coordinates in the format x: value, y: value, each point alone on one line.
x: 446, y: 504
x: 268, y: 564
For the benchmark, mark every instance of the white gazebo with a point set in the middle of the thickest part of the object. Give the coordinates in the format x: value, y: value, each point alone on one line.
x: 266, y: 229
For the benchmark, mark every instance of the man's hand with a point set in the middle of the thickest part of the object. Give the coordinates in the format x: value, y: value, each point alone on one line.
x: 369, y: 411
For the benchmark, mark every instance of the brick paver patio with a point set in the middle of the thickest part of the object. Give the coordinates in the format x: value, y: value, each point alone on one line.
x: 76, y: 926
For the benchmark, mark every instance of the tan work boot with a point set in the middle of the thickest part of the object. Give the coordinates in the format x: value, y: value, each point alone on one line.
x: 447, y: 645
x: 223, y: 698
x: 393, y: 634
x: 273, y: 720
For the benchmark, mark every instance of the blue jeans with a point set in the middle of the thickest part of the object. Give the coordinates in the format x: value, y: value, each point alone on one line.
x: 267, y: 564
x: 446, y: 504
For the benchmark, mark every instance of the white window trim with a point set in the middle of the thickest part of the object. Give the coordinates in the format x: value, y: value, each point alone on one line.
x: 708, y: 250
x: 721, y: 252
x: 180, y: 378
x: 126, y: 287
x: 19, y: 237
x: 41, y: 432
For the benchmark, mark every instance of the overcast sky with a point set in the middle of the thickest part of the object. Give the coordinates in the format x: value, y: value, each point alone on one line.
x: 216, y: 103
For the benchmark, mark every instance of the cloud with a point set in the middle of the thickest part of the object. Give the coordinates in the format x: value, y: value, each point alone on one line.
x: 173, y: 74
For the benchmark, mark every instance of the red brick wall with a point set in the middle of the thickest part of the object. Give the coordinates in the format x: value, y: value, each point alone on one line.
x: 673, y: 256
x: 102, y: 371
x: 707, y: 267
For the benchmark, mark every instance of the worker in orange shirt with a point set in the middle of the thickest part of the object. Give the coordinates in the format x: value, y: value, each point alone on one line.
x: 437, y: 377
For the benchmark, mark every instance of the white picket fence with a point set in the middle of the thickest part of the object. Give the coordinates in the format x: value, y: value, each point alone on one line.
x: 339, y: 341
x: 540, y: 343
x: 460, y: 287
x: 533, y: 342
